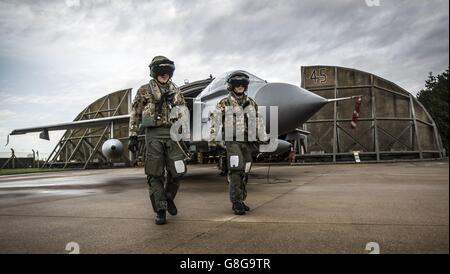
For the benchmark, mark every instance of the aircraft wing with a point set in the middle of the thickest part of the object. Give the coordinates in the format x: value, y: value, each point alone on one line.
x: 99, y: 122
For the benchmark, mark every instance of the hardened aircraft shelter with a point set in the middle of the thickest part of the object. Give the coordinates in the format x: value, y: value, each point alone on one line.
x: 81, y: 148
x: 392, y: 123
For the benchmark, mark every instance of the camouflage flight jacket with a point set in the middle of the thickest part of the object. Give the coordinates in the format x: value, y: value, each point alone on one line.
x: 245, y: 119
x: 151, y: 106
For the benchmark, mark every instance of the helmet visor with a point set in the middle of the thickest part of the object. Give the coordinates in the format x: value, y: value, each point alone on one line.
x: 239, y: 81
x: 161, y: 69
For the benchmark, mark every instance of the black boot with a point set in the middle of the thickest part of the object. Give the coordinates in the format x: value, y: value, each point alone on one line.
x: 238, y: 208
x: 246, y: 208
x: 171, y: 208
x: 160, y: 217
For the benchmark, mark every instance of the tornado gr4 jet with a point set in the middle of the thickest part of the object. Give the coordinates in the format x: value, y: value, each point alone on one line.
x: 295, y: 106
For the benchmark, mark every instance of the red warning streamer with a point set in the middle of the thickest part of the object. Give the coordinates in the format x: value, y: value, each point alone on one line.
x: 356, y: 111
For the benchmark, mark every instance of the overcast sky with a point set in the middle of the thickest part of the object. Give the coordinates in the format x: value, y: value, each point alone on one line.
x: 58, y: 56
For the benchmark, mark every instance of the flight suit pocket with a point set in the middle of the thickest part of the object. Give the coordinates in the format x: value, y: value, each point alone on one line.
x: 235, y: 158
x: 176, y: 161
x: 149, y: 116
x: 235, y: 162
x: 154, y: 167
x: 148, y: 121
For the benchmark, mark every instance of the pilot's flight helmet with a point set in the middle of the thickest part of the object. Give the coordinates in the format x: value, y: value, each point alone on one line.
x: 238, y: 78
x: 161, y: 65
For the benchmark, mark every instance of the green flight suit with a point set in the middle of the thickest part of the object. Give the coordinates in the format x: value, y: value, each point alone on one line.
x: 239, y: 152
x: 161, y: 156
x: 164, y: 159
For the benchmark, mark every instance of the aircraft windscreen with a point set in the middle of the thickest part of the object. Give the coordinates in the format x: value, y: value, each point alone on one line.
x: 219, y: 83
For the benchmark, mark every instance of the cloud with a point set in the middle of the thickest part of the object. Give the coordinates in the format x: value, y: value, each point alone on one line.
x: 39, y: 99
x: 5, y: 113
x: 73, y: 3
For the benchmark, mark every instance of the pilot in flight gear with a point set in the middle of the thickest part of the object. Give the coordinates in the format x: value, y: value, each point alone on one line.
x: 164, y: 158
x: 239, y: 152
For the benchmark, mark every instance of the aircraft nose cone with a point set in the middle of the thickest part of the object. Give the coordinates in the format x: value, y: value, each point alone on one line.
x: 295, y: 105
